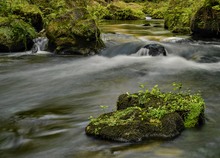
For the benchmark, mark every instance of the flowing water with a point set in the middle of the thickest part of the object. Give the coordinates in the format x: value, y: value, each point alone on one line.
x: 46, y: 100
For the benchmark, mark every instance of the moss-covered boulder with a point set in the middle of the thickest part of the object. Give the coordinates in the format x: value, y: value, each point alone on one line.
x: 149, y: 115
x: 206, y: 22
x: 70, y: 36
x: 15, y: 34
x: 72, y: 30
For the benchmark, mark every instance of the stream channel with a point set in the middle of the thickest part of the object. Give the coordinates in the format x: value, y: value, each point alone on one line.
x: 46, y: 100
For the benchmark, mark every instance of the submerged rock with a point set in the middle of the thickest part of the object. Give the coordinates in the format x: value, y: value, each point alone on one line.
x: 148, y: 115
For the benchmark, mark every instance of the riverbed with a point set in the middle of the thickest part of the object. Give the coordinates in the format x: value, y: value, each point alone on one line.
x: 46, y: 100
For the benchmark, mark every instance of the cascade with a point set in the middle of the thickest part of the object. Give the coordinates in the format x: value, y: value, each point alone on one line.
x: 40, y: 44
x: 152, y: 50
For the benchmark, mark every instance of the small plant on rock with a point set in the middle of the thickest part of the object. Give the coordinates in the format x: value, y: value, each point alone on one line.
x: 159, y: 104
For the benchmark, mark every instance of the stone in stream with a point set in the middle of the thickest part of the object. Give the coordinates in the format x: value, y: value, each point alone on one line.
x: 152, y: 50
x: 156, y: 116
x: 129, y: 125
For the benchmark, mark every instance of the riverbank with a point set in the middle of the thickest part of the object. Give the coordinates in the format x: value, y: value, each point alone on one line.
x: 68, y: 24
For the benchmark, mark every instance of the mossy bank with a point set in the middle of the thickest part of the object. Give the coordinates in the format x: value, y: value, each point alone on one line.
x: 197, y: 18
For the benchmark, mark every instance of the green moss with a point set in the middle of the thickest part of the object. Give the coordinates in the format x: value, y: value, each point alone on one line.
x: 118, y: 11
x: 19, y: 24
x: 6, y: 35
x: 15, y: 34
x: 179, y: 14
x: 120, y: 117
x: 156, y: 9
x: 158, y: 104
x: 85, y: 28
x: 98, y: 11
x: 23, y: 10
x: 131, y: 125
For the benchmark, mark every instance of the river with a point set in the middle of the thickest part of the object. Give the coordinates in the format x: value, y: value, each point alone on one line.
x: 46, y: 100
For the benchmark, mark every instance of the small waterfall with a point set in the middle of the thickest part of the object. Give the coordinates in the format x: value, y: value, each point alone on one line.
x: 142, y: 52
x: 151, y: 50
x: 40, y: 44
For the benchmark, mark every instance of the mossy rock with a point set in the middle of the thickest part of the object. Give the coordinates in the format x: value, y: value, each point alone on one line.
x: 206, y: 22
x: 73, y: 31
x: 15, y: 35
x: 149, y: 115
x: 68, y: 34
x: 131, y: 125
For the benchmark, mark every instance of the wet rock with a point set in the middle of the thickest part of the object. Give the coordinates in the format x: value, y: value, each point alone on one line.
x: 152, y: 50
